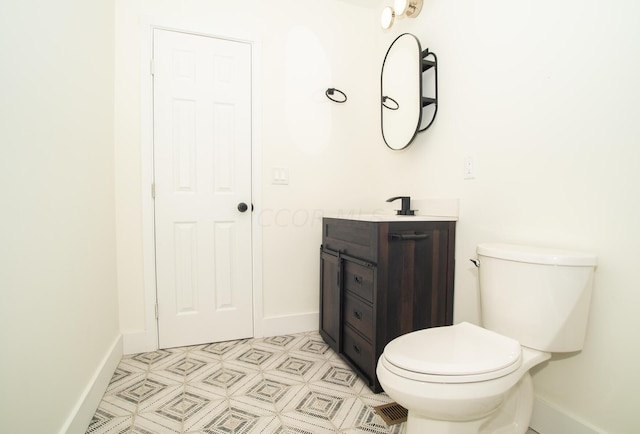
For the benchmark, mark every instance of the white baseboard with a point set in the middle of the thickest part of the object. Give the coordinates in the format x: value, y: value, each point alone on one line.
x: 85, y: 408
x: 288, y: 324
x: 138, y: 342
x: 549, y: 419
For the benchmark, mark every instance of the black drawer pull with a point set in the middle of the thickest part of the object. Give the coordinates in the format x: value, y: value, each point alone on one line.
x: 407, y: 237
x: 358, y: 279
x: 356, y: 348
x: 357, y: 314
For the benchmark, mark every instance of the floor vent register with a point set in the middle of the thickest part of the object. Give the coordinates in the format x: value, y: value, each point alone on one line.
x: 392, y: 413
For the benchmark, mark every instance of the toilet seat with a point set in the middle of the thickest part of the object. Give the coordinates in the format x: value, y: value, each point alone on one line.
x: 461, y: 353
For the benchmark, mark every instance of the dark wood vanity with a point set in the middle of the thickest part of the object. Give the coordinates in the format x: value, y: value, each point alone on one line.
x: 381, y: 279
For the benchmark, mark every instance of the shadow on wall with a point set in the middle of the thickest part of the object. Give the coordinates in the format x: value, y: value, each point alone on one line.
x: 307, y: 66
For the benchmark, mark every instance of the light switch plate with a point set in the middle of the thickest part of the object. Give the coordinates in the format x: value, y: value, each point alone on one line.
x: 469, y: 168
x: 280, y: 176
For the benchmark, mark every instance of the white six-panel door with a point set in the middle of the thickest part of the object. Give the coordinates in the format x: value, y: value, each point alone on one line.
x: 202, y: 171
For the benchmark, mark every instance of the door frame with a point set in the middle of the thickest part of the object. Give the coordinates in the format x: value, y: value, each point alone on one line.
x: 148, y: 341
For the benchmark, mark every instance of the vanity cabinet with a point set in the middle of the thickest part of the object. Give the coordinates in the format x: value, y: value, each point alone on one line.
x: 382, y: 279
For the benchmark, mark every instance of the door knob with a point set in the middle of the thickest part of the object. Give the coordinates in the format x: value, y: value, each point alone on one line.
x: 242, y: 207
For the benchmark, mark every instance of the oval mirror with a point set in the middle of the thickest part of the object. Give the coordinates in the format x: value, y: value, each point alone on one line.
x: 400, y: 85
x: 401, y: 91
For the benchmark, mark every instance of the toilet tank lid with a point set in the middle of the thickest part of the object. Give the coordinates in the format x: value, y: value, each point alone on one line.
x: 536, y: 255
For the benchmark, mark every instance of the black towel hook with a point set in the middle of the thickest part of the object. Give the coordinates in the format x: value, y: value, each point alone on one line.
x: 394, y: 104
x: 330, y: 93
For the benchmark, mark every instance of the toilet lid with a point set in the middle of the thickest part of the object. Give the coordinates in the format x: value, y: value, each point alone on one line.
x: 459, y: 353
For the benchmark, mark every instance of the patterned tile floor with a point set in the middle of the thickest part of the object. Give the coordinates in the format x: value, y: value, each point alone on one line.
x: 285, y: 384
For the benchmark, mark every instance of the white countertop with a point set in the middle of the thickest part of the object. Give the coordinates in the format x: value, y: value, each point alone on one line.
x: 428, y: 210
x: 394, y: 218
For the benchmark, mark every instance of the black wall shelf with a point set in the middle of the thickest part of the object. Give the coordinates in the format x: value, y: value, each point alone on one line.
x: 429, y: 64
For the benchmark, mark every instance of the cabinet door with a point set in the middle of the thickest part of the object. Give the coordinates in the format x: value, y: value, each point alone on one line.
x: 417, y: 278
x: 330, y: 304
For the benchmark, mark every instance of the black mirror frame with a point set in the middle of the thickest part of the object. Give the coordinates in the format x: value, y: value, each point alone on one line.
x: 423, y: 65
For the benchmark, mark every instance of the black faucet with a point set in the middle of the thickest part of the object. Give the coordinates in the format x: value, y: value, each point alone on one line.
x: 406, y: 205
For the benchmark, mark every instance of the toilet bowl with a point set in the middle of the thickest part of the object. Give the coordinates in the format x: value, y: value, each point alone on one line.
x: 467, y: 379
x: 453, y: 380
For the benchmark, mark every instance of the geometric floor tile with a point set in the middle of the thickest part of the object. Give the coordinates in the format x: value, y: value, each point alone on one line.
x: 100, y: 419
x: 320, y: 405
x: 281, y: 341
x: 153, y: 357
x: 139, y: 430
x: 118, y: 375
x: 291, y: 384
x: 224, y: 378
x: 340, y: 376
x: 268, y: 390
x: 295, y: 365
x: 234, y: 421
x: 186, y: 366
x: 282, y: 384
x: 318, y: 347
x: 141, y: 391
x: 222, y: 348
x: 182, y: 406
x: 369, y: 420
x: 255, y: 356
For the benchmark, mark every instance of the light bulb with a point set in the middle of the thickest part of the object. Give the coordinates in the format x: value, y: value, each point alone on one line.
x: 400, y: 6
x: 387, y: 17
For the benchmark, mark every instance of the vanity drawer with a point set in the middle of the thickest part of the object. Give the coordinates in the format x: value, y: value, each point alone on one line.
x: 359, y: 351
x: 359, y: 279
x: 355, y: 238
x: 359, y: 315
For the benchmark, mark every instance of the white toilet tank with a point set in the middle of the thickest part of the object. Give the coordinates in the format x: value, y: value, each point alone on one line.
x: 538, y: 296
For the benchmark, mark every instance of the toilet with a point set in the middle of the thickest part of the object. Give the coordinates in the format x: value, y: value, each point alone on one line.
x: 467, y: 379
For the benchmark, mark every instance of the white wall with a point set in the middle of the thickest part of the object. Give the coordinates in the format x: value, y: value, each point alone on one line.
x: 544, y: 96
x: 541, y: 94
x: 58, y: 303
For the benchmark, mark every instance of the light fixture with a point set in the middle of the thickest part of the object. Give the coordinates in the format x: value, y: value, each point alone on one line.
x: 409, y: 8
x: 387, y: 17
x: 401, y: 8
